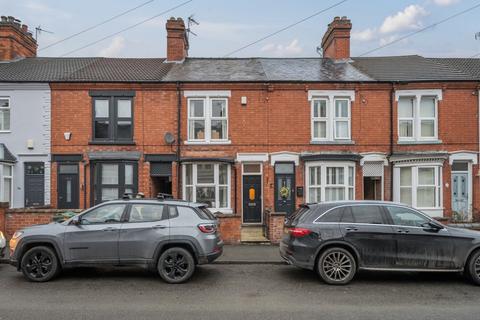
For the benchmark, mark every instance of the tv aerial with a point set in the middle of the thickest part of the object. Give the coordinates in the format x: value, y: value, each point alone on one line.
x: 39, y: 30
x: 191, y: 21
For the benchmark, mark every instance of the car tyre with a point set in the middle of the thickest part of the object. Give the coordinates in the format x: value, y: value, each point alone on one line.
x: 336, y: 266
x: 473, y: 268
x: 40, y: 264
x: 176, y: 265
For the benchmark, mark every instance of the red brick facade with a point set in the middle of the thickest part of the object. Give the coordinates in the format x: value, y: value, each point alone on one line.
x: 15, y: 40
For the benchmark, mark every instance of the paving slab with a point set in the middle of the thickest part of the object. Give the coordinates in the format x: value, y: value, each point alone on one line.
x: 250, y: 254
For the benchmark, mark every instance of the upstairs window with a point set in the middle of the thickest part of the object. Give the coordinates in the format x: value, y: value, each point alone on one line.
x: 208, y: 119
x: 113, y: 119
x: 4, y: 114
x: 331, y: 115
x: 417, y: 116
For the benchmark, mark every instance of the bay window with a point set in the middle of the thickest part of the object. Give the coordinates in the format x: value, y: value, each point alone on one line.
x: 418, y: 115
x: 330, y: 115
x: 330, y: 181
x: 207, y: 183
x: 418, y: 186
x: 208, y: 119
x: 6, y: 183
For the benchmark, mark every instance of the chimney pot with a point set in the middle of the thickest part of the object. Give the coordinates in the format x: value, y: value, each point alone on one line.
x: 24, y: 28
x: 336, y: 40
x: 4, y: 19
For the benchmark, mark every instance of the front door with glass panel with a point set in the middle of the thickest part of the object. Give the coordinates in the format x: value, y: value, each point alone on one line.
x: 252, y: 201
x: 34, y: 184
x: 67, y: 186
x: 460, y: 194
x: 285, y: 187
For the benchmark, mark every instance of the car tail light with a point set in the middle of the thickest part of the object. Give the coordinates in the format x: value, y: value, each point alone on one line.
x: 207, y: 228
x: 299, y: 232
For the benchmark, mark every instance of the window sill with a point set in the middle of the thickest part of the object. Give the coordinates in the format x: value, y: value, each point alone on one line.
x: 221, y: 211
x: 332, y: 142
x: 113, y: 143
x: 207, y: 142
x: 5, y: 131
x: 419, y: 142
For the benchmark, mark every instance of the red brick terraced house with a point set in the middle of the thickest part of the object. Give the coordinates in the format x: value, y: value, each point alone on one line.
x: 256, y: 137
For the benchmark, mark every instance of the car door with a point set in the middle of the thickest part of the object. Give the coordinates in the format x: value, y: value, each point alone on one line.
x: 419, y: 246
x: 146, y: 226
x: 95, y: 237
x: 365, y: 228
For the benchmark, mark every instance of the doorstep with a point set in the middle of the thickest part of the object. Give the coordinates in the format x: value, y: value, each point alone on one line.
x: 253, y: 234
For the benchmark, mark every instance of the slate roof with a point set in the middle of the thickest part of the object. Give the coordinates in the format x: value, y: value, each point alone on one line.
x: 358, y: 69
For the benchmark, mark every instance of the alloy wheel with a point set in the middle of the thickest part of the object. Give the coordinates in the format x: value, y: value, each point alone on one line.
x: 477, y: 267
x: 39, y: 264
x: 175, y: 265
x: 337, y: 266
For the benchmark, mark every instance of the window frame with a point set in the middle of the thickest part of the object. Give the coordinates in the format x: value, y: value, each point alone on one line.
x: 438, y: 201
x: 417, y: 96
x: 207, y: 118
x: 323, y: 165
x: 4, y: 177
x: 9, y: 108
x: 97, y: 184
x: 216, y: 184
x: 122, y: 217
x: 331, y: 118
x: 113, y: 119
x: 128, y: 214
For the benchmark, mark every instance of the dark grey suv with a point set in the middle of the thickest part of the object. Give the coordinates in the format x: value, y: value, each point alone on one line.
x: 336, y: 239
x: 169, y: 236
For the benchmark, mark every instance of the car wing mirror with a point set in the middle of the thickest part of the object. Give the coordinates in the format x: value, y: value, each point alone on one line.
x: 76, y: 221
x: 433, y: 226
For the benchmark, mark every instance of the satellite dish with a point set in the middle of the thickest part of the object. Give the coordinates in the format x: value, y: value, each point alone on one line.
x: 169, y: 138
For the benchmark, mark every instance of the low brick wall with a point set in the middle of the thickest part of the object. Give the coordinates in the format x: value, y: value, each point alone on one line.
x: 12, y: 220
x: 276, y: 222
x: 230, y: 226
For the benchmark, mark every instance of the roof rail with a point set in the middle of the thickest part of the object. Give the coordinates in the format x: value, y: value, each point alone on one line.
x: 164, y: 196
x: 131, y: 195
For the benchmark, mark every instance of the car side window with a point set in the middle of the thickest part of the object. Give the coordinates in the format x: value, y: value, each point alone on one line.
x: 110, y: 213
x: 334, y: 215
x: 347, y: 216
x: 402, y: 216
x: 146, y: 212
x: 367, y: 214
x: 172, y: 212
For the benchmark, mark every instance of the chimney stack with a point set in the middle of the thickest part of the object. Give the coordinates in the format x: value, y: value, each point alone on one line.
x: 177, y: 41
x: 336, y: 41
x: 15, y: 40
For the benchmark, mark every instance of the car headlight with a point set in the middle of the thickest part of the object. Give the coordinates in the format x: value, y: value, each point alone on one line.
x: 1, y: 235
x: 17, y: 234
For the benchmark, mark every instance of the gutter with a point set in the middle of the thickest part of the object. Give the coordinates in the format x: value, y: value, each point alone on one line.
x: 392, y: 99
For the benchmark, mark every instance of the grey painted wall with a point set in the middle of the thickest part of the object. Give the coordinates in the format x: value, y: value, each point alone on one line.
x: 29, y: 120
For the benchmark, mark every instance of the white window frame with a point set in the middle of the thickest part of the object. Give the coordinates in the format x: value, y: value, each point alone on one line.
x: 414, y: 184
x: 3, y: 177
x: 417, y: 95
x: 9, y: 108
x: 207, y: 97
x: 320, y: 119
x: 337, y: 119
x: 323, y: 165
x: 331, y: 96
x: 215, y: 184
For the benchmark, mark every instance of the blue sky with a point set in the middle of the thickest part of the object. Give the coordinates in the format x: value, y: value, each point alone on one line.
x: 228, y: 25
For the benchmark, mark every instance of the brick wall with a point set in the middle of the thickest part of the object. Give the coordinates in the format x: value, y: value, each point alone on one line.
x: 276, y: 222
x: 230, y: 228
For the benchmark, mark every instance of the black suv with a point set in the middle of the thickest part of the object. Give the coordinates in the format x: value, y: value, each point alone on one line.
x: 170, y: 236
x: 338, y: 238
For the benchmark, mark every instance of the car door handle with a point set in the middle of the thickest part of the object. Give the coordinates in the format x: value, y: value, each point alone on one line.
x: 110, y: 229
x: 403, y: 231
x: 160, y: 226
x: 351, y: 229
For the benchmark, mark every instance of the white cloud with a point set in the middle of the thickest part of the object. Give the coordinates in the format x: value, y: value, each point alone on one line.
x: 114, y: 48
x: 280, y: 50
x: 445, y: 3
x: 364, y: 35
x: 407, y: 19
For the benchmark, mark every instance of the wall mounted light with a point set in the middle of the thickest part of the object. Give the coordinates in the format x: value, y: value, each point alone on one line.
x: 67, y: 135
x: 30, y: 144
x: 243, y: 101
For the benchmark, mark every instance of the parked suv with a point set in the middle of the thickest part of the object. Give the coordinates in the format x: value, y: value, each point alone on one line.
x: 338, y: 238
x: 3, y: 244
x: 170, y: 236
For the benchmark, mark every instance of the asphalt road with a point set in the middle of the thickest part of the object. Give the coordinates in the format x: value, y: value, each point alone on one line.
x: 236, y: 292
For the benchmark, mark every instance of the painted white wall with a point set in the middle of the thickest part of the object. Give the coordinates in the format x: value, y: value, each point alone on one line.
x: 30, y: 110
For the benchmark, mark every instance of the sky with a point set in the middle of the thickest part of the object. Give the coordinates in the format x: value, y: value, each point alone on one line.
x: 225, y: 26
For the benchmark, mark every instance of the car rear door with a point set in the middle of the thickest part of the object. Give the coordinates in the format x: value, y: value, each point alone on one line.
x: 418, y: 245
x: 365, y: 228
x: 146, y: 226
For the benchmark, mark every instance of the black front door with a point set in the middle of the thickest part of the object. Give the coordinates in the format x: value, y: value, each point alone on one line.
x: 34, y: 184
x: 68, y: 192
x: 252, y: 198
x: 285, y: 187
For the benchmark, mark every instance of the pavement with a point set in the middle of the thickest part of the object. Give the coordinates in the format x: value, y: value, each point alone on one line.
x: 239, y: 254
x: 236, y: 291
